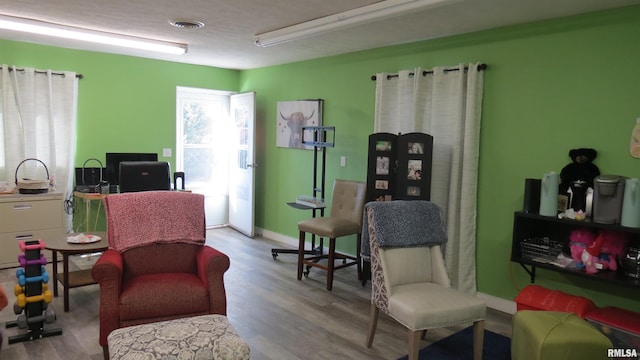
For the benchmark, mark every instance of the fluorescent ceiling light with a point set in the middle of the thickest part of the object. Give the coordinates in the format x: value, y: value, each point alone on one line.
x: 362, y: 15
x: 66, y: 32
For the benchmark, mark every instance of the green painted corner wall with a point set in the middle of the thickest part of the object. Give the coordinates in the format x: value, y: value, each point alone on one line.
x: 551, y: 86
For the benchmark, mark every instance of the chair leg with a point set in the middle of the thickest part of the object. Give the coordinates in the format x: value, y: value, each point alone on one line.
x: 478, y: 339
x: 373, y: 323
x: 300, y: 254
x: 423, y: 335
x: 358, y: 259
x: 105, y: 352
x: 331, y: 258
x: 414, y: 344
x: 366, y: 272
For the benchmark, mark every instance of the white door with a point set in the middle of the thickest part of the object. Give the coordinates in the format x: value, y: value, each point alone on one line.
x: 202, y: 147
x: 241, y: 163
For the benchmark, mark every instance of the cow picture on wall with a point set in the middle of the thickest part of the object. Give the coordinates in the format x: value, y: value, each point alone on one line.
x: 292, y: 116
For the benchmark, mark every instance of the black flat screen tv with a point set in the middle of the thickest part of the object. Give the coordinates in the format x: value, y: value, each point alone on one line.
x: 113, y: 161
x: 144, y: 176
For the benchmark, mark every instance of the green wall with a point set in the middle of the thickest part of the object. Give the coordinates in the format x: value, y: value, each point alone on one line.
x: 551, y: 86
x: 125, y: 104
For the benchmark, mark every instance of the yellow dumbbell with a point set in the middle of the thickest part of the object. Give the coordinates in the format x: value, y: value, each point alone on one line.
x: 47, y: 296
x: 21, y: 300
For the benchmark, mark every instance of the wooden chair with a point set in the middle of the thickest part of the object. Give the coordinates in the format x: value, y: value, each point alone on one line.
x: 347, y: 201
x: 409, y: 280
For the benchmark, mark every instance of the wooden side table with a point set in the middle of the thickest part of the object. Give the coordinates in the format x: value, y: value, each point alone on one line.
x: 72, y: 279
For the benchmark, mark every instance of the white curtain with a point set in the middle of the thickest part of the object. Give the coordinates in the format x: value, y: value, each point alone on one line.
x: 445, y: 103
x: 38, y: 120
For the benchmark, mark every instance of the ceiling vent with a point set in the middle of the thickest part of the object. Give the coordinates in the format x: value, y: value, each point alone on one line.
x: 187, y: 24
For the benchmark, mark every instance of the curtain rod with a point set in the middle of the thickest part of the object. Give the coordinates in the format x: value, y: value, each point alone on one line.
x: 425, y: 72
x: 79, y: 76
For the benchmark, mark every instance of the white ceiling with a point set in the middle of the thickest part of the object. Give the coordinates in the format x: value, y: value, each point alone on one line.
x: 227, y: 40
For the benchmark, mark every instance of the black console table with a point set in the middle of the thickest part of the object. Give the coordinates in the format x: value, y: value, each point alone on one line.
x: 557, y: 231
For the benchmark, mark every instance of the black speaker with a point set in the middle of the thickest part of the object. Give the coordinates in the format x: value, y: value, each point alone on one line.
x: 531, y: 196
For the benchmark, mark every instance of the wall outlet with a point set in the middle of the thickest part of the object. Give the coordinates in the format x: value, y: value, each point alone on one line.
x: 166, y: 152
x: 343, y: 161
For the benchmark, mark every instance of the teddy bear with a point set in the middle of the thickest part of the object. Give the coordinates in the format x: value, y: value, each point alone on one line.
x: 579, y: 241
x: 580, y: 168
x: 604, y: 252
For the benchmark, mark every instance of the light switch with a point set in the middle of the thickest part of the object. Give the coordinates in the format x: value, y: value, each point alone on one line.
x: 166, y: 152
x: 343, y: 161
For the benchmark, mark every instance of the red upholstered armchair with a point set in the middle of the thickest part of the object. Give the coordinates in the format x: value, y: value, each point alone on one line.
x: 3, y: 302
x: 157, y: 266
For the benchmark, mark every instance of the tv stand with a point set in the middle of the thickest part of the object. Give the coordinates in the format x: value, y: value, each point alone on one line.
x: 323, y: 137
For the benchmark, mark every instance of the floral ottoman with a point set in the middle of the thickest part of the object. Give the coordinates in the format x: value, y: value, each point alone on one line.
x: 198, y: 337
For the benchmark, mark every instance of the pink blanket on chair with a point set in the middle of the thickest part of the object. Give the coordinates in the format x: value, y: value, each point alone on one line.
x: 142, y: 218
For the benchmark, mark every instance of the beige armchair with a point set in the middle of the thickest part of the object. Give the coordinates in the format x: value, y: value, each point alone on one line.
x: 347, y: 201
x: 409, y: 279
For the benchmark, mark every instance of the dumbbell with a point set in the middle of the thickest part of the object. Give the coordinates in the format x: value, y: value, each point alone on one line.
x: 46, y: 296
x: 24, y: 262
x: 17, y: 309
x: 50, y: 316
x: 23, y: 280
x: 23, y: 322
x: 37, y: 246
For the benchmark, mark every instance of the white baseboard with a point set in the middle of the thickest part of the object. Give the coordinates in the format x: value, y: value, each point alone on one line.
x: 500, y: 304
x: 287, y: 240
x: 493, y: 302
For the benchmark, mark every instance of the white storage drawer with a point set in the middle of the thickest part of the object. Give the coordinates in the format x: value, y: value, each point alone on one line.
x: 28, y: 217
x: 31, y: 214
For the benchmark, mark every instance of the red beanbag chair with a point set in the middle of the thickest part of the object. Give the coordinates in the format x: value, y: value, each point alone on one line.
x: 620, y: 325
x: 534, y: 297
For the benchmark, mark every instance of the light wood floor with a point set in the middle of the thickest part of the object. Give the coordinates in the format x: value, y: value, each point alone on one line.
x: 280, y: 317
